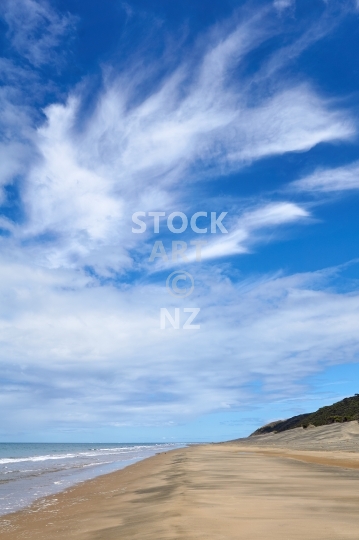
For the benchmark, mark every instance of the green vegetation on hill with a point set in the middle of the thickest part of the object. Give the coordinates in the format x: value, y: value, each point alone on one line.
x: 342, y: 411
x: 282, y: 425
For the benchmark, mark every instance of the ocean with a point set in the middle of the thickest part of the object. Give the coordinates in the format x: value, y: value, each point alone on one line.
x: 29, y: 471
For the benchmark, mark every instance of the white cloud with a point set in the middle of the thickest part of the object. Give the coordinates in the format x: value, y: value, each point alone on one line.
x: 293, y: 120
x: 242, y: 236
x: 74, y: 356
x: 273, y: 214
x: 15, y: 136
x: 128, y: 157
x: 36, y: 30
x: 330, y: 180
x: 283, y: 4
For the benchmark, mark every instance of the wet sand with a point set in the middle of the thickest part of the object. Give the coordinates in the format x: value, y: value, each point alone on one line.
x: 226, y: 491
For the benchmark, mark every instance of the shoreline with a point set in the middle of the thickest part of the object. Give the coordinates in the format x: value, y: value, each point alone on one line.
x: 227, y: 490
x: 52, y: 468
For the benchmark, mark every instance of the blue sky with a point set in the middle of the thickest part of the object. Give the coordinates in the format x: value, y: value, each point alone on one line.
x: 107, y: 109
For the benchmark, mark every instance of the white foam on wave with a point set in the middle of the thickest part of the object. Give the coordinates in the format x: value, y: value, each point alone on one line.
x: 92, y: 453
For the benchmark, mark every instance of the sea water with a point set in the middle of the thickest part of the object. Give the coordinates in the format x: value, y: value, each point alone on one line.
x: 29, y: 471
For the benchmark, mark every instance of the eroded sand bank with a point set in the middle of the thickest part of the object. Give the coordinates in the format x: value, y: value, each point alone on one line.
x: 227, y: 491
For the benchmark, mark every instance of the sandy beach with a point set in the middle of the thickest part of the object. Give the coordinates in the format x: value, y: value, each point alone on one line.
x: 225, y: 491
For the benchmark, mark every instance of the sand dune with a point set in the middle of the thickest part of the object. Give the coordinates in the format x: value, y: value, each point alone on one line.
x: 343, y: 437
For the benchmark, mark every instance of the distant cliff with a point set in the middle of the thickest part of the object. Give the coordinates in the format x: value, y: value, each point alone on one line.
x: 342, y: 411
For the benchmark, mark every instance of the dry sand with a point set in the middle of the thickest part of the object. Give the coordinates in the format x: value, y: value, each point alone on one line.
x: 226, y: 491
x: 343, y: 437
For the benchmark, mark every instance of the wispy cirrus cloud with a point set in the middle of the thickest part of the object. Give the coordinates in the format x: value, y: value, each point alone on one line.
x: 36, y: 30
x: 33, y: 40
x: 337, y: 179
x: 247, y: 230
x: 243, y: 234
x: 200, y: 120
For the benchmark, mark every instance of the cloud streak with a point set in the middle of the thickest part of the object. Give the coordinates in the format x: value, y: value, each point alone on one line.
x: 329, y: 180
x: 243, y: 234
